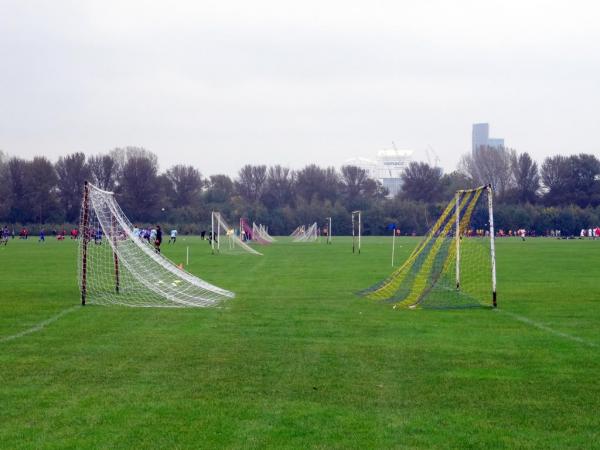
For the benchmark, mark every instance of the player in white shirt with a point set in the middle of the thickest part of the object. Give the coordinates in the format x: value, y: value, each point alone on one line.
x: 173, y: 237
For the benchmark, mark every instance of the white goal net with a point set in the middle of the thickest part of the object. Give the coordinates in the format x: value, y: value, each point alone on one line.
x: 224, y: 239
x: 260, y: 233
x: 303, y: 234
x: 119, y: 266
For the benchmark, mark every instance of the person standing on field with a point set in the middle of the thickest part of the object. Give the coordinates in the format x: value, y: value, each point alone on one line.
x: 157, y: 239
x: 42, y: 236
x: 173, y: 237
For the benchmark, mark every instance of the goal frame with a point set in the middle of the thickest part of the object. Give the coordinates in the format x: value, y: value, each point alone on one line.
x: 329, y: 222
x: 356, y: 231
x: 490, y: 203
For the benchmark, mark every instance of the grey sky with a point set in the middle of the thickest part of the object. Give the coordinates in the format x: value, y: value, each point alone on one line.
x: 219, y: 84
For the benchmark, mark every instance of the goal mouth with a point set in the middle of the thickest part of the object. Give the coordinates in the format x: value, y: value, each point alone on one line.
x: 121, y: 264
x: 453, y: 267
x: 225, y: 239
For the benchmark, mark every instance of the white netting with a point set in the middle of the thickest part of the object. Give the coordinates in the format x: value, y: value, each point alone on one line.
x: 225, y: 239
x: 118, y: 266
x: 304, y: 234
x: 299, y: 231
x: 260, y: 234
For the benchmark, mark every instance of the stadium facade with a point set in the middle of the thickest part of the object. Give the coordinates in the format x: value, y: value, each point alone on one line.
x: 387, y: 167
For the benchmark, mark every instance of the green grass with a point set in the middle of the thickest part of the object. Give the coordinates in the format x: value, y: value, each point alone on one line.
x: 298, y: 361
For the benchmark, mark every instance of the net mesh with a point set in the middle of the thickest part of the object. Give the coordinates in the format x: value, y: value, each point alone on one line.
x: 260, y: 234
x: 225, y: 239
x: 119, y: 266
x: 447, y: 269
x: 304, y: 234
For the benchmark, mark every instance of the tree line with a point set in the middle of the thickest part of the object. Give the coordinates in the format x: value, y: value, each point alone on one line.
x: 563, y: 193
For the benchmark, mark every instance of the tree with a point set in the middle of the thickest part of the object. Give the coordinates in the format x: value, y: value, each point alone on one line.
x: 139, y: 188
x: 41, y: 188
x: 185, y: 184
x: 5, y: 200
x: 422, y: 182
x: 315, y: 183
x: 490, y: 165
x: 251, y: 182
x: 17, y: 171
x: 571, y: 180
x: 220, y: 189
x: 72, y: 172
x: 104, y: 171
x: 279, y: 187
x: 526, y: 178
x: 452, y: 182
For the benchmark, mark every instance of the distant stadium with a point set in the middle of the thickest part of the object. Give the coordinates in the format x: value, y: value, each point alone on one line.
x: 387, y: 167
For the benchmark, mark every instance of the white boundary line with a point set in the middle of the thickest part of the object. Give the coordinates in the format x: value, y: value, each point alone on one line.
x: 39, y: 326
x: 547, y: 328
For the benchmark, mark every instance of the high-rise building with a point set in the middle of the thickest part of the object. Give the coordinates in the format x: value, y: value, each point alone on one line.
x: 481, y: 137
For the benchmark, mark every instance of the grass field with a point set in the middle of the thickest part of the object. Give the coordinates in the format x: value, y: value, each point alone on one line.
x: 297, y: 360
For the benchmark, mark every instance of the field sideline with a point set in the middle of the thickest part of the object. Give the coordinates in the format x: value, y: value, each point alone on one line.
x: 297, y: 360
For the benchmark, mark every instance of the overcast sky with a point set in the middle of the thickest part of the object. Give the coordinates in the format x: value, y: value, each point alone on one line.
x: 222, y: 83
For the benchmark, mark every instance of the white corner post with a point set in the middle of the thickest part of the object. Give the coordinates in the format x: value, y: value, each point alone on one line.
x: 457, y: 237
x: 490, y: 193
x: 330, y: 232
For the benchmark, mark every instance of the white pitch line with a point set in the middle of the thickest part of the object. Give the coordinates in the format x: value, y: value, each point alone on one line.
x: 40, y: 325
x: 547, y: 328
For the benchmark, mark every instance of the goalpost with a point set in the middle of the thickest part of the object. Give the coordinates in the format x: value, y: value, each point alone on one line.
x: 224, y: 238
x: 119, y: 267
x: 356, y: 230
x: 329, y: 230
x: 454, y: 266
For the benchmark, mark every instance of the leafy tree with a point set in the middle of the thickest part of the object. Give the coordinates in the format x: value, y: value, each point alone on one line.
x: 139, y: 188
x: 526, y: 178
x: 104, y: 171
x: 454, y: 181
x: 421, y: 182
x: 490, y: 165
x: 251, y: 182
x: 571, y: 180
x: 184, y: 185
x: 315, y: 183
x: 5, y: 200
x: 41, y: 190
x: 220, y: 189
x: 72, y: 171
x: 279, y: 187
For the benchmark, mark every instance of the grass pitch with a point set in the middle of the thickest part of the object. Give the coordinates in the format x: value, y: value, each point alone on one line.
x: 297, y: 360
